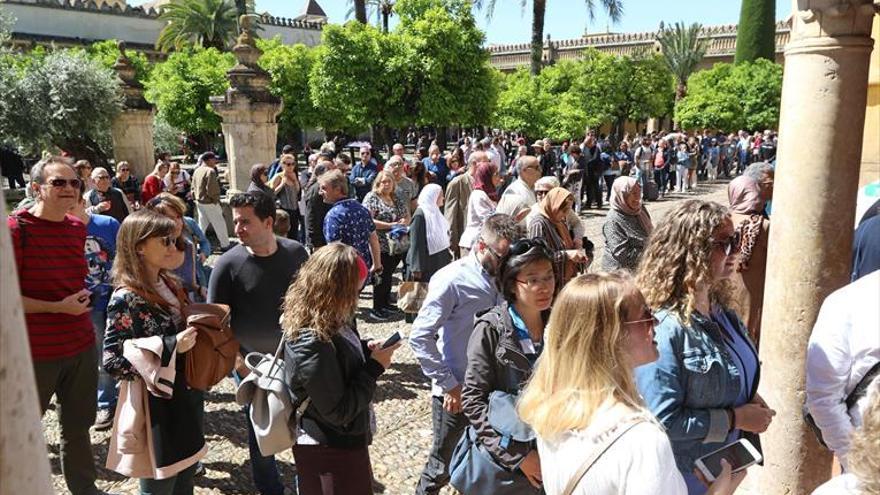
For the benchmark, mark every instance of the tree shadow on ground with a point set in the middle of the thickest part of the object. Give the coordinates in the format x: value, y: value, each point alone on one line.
x: 99, y: 453
x: 238, y: 479
x: 401, y: 381
x: 229, y: 424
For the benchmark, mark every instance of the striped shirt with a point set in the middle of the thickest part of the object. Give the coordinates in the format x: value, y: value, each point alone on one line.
x: 51, y: 266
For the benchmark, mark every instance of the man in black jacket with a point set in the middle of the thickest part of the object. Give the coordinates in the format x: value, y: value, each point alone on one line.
x: 316, y: 208
x: 590, y: 185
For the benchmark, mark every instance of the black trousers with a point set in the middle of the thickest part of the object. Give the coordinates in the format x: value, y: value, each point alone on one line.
x: 593, y: 191
x: 382, y: 292
x: 447, y: 428
x: 323, y: 470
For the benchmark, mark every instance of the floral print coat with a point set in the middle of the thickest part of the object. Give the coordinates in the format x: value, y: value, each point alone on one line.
x: 131, y: 316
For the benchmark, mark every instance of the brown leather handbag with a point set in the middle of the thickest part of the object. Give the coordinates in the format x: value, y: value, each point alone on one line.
x: 213, y: 355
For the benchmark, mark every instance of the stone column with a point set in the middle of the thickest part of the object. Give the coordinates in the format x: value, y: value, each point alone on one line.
x: 248, y: 111
x: 132, y: 130
x: 824, y: 92
x: 24, y: 462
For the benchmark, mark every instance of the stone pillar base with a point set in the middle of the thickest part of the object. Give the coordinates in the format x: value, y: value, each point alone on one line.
x: 132, y: 134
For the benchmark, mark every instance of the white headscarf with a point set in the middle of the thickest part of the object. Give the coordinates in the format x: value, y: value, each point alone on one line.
x: 436, y: 226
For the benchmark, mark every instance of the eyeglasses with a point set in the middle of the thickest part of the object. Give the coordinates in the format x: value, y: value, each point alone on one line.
x: 651, y: 319
x: 535, y: 282
x: 59, y: 183
x: 729, y: 245
x: 102, y: 177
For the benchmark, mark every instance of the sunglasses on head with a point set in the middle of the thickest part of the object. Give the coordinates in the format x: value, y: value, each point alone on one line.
x: 729, y: 245
x: 59, y: 183
x: 523, y: 246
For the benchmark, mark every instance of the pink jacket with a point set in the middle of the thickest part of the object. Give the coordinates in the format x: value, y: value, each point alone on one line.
x: 130, y: 452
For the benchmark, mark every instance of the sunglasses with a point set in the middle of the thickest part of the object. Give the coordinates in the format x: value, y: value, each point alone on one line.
x: 177, y: 242
x: 59, y: 183
x: 523, y: 246
x: 102, y: 177
x: 729, y: 245
x: 650, y: 319
x: 123, y: 170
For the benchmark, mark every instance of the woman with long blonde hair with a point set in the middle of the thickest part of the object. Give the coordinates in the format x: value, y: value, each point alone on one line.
x: 703, y: 388
x: 327, y: 364
x: 582, y: 395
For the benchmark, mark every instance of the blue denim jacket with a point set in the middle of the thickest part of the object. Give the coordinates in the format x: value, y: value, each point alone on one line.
x: 691, y: 385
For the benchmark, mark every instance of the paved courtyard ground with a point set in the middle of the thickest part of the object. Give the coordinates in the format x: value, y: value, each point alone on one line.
x: 402, y: 403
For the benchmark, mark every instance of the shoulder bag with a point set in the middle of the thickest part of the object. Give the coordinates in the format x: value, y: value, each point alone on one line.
x: 857, y: 393
x: 213, y: 355
x: 597, y: 453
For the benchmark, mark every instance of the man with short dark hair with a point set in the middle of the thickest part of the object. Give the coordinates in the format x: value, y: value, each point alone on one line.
x: 315, y: 207
x: 48, y: 243
x: 440, y: 335
x: 252, y: 278
x: 363, y: 173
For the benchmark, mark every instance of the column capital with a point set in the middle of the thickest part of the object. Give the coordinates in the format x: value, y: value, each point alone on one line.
x: 832, y: 18
x: 132, y: 89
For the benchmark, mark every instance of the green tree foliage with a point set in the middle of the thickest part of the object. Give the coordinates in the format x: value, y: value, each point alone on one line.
x: 289, y: 67
x: 756, y: 33
x: 682, y: 51
x: 204, y: 23
x: 63, y: 98
x: 181, y: 86
x: 106, y: 53
x: 454, y: 81
x: 730, y: 97
x: 521, y: 105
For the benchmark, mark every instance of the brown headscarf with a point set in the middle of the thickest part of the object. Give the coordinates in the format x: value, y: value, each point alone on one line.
x: 619, y: 190
x: 551, y: 207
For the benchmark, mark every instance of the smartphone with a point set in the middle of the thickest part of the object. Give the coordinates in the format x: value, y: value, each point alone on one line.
x: 740, y: 454
x: 391, y: 340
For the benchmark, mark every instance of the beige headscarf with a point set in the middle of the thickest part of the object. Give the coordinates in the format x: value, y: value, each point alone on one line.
x: 551, y: 208
x: 619, y: 190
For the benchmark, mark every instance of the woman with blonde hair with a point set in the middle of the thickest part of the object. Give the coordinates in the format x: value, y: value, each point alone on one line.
x: 327, y: 364
x: 145, y: 348
x: 391, y: 217
x: 582, y: 397
x: 703, y: 388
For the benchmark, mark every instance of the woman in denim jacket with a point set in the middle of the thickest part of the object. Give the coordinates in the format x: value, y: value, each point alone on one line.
x: 703, y: 387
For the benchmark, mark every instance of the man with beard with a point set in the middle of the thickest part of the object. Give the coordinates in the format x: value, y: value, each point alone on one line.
x: 440, y: 335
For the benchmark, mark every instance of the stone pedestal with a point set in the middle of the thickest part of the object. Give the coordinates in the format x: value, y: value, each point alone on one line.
x: 820, y: 139
x: 248, y: 111
x: 132, y: 130
x: 24, y: 462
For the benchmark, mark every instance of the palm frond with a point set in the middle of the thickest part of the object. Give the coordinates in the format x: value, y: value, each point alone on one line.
x: 682, y: 49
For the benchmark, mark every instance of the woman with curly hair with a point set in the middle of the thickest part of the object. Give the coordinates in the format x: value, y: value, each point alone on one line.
x: 327, y: 363
x: 703, y: 387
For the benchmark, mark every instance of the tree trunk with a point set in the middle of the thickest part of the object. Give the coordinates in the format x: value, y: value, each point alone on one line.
x: 385, y: 16
x: 680, y: 92
x: 360, y: 11
x: 441, y: 136
x: 84, y: 148
x: 539, y: 8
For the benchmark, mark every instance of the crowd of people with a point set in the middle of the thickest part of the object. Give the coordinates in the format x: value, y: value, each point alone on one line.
x: 539, y: 360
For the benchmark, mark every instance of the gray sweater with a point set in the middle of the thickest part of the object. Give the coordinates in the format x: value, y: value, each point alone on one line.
x: 625, y: 240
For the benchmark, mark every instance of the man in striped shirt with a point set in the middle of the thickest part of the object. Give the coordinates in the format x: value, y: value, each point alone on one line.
x: 49, y: 245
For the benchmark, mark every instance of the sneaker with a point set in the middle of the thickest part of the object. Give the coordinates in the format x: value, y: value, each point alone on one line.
x: 104, y: 420
x: 378, y: 315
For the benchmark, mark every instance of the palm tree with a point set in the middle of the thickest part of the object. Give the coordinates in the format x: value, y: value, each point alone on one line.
x: 682, y: 51
x: 208, y: 23
x: 384, y: 10
x: 539, y: 8
x: 360, y: 11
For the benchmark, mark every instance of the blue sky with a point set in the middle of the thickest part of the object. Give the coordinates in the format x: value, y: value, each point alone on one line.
x: 564, y: 19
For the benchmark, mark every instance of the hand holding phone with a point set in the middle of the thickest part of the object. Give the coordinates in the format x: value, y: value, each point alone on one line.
x: 391, y: 340
x: 740, y: 455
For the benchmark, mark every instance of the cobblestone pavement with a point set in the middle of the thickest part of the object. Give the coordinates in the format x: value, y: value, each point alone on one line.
x: 400, y: 447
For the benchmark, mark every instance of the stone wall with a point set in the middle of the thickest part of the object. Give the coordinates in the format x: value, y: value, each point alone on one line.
x: 75, y: 22
x: 722, y: 46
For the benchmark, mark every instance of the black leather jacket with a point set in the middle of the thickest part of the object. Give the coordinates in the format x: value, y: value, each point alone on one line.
x: 340, y: 384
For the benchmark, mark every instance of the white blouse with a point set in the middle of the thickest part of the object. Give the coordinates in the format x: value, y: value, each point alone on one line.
x: 480, y: 207
x: 639, y: 463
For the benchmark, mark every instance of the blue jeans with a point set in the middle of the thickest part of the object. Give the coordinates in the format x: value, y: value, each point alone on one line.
x: 265, y: 472
x: 107, y: 391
